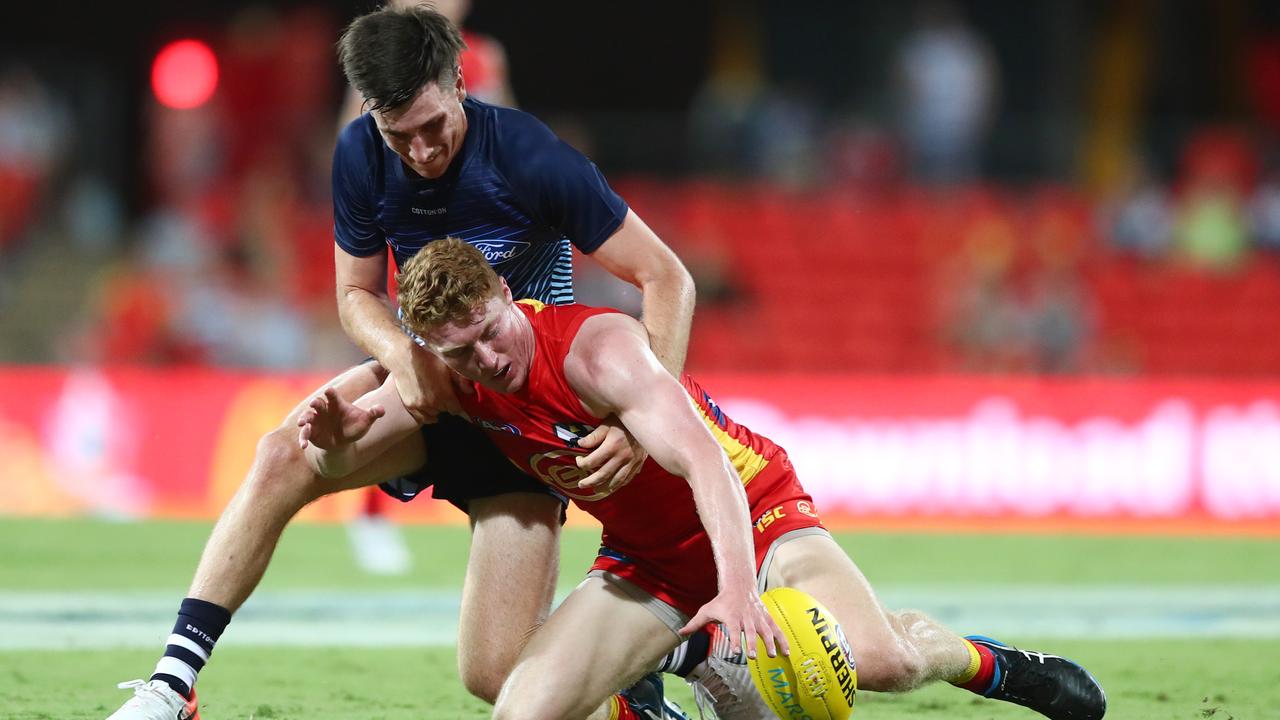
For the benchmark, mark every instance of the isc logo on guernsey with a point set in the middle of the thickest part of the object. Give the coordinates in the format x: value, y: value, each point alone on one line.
x: 497, y: 251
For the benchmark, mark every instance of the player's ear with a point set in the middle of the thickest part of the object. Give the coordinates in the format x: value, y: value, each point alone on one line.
x: 459, y: 85
x: 506, y: 290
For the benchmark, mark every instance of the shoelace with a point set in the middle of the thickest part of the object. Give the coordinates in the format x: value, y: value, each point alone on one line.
x: 702, y: 699
x: 144, y: 687
x: 712, y: 690
x: 138, y: 686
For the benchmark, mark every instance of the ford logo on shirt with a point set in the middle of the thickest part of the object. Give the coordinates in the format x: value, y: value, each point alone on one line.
x: 500, y: 251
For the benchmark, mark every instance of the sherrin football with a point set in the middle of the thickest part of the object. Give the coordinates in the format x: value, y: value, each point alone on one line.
x: 818, y: 679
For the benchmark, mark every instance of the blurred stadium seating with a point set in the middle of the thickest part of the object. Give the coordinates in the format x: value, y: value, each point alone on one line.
x: 830, y: 283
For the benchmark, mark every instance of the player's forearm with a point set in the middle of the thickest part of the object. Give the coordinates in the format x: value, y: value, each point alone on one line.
x: 370, y: 323
x: 668, y: 302
x: 722, y: 507
x: 333, y: 462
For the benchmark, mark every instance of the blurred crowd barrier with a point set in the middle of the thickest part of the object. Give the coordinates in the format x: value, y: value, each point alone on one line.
x: 904, y: 452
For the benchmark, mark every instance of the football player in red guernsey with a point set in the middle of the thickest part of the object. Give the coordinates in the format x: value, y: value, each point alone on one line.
x: 679, y: 546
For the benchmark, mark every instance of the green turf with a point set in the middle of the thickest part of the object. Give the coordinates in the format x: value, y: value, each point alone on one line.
x: 1147, y: 680
x: 56, y: 555
x: 1154, y: 679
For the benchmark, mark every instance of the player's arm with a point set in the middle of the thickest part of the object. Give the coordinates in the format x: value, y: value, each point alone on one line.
x: 636, y: 254
x: 614, y: 372
x: 364, y: 306
x: 339, y: 437
x: 568, y: 192
x: 426, y: 384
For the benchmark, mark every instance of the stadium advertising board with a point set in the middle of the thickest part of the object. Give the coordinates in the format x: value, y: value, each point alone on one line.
x: 941, y: 451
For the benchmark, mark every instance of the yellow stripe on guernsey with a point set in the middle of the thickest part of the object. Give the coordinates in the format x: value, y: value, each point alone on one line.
x: 537, y: 305
x: 746, y: 461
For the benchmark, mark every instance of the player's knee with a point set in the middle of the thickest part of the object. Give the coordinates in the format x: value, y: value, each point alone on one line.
x: 515, y: 703
x: 893, y: 668
x: 280, y: 468
x: 483, y: 682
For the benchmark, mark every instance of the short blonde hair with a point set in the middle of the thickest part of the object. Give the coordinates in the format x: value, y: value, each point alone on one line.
x: 445, y: 282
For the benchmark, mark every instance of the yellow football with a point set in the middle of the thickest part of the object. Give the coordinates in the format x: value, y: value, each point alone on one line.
x: 818, y: 679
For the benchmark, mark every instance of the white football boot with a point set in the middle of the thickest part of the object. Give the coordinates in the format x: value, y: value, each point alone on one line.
x: 723, y: 682
x: 155, y: 700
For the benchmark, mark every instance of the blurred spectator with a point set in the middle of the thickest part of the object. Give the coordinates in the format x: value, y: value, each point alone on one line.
x: 947, y: 85
x: 1211, y: 230
x: 1218, y: 173
x: 1264, y: 215
x: 484, y: 62
x: 182, y: 300
x: 232, y: 263
x: 862, y: 156
x: 33, y: 136
x: 1139, y: 219
x: 982, y: 315
x: 1059, y: 320
x: 1058, y: 304
x: 744, y: 128
x: 277, y: 85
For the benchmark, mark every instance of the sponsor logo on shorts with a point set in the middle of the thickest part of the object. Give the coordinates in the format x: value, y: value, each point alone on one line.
x: 429, y: 211
x: 837, y: 649
x: 500, y: 251
x: 497, y: 426
x: 806, y: 508
x: 769, y: 518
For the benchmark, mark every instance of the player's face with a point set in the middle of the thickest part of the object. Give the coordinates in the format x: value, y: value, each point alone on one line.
x: 428, y: 132
x: 493, y: 347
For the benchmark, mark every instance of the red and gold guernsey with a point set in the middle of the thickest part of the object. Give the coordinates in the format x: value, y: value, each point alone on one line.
x: 652, y: 533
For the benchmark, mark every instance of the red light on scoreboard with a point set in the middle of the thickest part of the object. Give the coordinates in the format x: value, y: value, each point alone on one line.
x: 184, y: 74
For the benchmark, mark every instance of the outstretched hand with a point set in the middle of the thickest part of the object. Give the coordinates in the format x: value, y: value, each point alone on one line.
x: 743, y: 615
x: 329, y: 421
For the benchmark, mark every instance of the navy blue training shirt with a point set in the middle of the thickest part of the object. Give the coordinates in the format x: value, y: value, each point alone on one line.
x: 514, y: 190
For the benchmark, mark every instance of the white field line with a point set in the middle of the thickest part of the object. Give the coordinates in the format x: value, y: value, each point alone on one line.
x: 99, y: 620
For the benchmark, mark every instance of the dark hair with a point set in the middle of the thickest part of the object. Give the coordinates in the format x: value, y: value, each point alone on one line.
x: 389, y: 55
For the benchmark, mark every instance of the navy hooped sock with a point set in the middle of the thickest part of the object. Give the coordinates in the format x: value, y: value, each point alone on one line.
x: 688, y: 655
x: 200, y: 624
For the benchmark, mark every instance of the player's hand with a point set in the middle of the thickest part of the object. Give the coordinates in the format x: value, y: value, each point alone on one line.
x: 615, y: 457
x: 743, y: 615
x: 329, y: 421
x: 427, y: 386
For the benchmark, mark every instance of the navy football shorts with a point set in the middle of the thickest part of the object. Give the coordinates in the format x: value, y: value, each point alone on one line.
x: 463, y: 464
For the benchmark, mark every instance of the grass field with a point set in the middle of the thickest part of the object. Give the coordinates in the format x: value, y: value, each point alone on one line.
x: 1173, y: 627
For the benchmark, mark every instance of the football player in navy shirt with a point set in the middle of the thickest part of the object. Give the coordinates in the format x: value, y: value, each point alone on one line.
x: 426, y: 162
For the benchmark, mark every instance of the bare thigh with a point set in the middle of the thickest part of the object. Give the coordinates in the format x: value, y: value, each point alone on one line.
x: 278, y: 484
x: 820, y: 567
x: 511, y: 579
x: 597, y: 642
